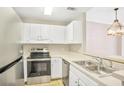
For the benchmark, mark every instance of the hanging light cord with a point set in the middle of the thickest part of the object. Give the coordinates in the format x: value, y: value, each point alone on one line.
x: 116, y: 14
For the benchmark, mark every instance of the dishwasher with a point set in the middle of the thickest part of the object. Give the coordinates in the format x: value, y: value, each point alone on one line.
x: 65, y: 72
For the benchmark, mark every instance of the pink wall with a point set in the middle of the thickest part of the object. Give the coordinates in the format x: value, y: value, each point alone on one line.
x: 122, y: 46
x: 98, y: 42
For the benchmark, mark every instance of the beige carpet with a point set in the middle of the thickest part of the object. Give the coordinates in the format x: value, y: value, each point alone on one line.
x: 52, y: 83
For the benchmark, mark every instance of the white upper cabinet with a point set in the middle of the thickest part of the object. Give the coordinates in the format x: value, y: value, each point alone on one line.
x: 41, y: 33
x: 74, y: 32
x: 35, y: 32
x: 69, y: 33
x: 26, y: 33
x: 45, y: 30
x: 57, y: 34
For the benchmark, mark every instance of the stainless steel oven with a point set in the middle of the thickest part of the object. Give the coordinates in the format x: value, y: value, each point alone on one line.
x: 39, y: 66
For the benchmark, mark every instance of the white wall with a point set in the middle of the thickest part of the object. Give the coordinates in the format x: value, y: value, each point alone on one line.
x: 105, y: 15
x: 10, y: 29
x: 98, y: 42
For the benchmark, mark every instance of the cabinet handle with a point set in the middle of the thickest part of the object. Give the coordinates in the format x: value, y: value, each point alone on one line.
x: 76, y: 81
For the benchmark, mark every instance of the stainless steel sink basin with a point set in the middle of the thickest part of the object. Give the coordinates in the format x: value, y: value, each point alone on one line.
x: 95, y: 67
x: 88, y: 65
x: 80, y: 62
x: 107, y: 70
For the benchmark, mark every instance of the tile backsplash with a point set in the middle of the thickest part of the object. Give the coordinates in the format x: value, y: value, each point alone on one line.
x: 51, y: 48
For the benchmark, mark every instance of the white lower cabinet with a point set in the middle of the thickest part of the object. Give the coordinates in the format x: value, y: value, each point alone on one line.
x: 56, y: 68
x: 74, y: 80
x: 81, y: 83
x: 77, y: 78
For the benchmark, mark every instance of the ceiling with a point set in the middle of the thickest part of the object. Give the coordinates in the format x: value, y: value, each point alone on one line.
x: 59, y: 14
x: 105, y: 15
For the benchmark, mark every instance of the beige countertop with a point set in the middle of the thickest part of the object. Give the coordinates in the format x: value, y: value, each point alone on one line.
x: 120, y: 59
x: 119, y: 74
x: 72, y: 56
x: 114, y: 58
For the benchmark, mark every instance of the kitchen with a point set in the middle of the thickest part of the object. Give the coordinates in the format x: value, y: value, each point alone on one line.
x: 70, y: 47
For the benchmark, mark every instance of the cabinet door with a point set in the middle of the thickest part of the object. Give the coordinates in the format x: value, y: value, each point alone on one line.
x: 87, y: 80
x: 39, y: 32
x: 81, y: 83
x: 57, y: 34
x: 73, y: 79
x: 26, y: 32
x: 69, y: 33
x: 77, y: 31
x: 74, y: 32
x: 35, y: 33
x: 84, y: 78
x: 45, y: 29
x: 56, y: 68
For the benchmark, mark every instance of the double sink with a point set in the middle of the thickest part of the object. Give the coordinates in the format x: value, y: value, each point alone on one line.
x: 96, y: 67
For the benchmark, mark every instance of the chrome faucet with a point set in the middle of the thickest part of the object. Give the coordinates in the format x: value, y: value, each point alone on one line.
x: 99, y: 63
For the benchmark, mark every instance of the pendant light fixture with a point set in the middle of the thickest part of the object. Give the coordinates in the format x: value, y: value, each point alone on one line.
x: 116, y: 28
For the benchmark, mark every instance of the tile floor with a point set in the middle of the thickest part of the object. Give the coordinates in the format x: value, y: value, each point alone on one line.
x: 52, y: 83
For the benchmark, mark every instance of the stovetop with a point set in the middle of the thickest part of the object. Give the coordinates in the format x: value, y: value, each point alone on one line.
x: 39, y: 55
